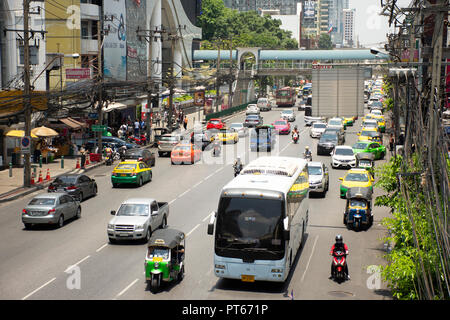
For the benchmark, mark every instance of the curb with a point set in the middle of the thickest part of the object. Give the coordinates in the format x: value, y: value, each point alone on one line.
x: 45, y: 184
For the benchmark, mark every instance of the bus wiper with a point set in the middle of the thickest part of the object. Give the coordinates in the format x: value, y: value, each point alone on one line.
x: 260, y: 249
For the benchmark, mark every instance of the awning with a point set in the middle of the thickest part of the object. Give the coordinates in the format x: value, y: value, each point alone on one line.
x: 74, y: 124
x: 115, y: 106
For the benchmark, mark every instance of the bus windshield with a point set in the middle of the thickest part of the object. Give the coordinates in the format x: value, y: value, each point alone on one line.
x: 250, y: 223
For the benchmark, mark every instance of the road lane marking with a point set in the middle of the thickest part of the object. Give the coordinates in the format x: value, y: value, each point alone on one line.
x: 209, y: 176
x: 170, y: 202
x: 196, y: 185
x: 184, y: 193
x: 309, y: 260
x: 73, y: 265
x: 192, y: 229
x: 45, y: 284
x: 206, y: 218
x: 128, y: 287
x: 103, y: 246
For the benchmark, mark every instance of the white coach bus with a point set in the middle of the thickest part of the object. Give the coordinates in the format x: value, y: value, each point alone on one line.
x: 261, y: 220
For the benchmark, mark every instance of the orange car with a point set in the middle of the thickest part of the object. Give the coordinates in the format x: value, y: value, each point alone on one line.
x: 185, y: 153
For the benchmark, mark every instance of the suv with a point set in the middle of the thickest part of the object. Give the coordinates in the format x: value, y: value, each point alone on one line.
x: 116, y: 142
x: 336, y: 123
x: 343, y: 156
x: 143, y: 155
x: 167, y: 142
x: 339, y: 132
x: 264, y: 104
x: 327, y: 142
x: 319, y: 179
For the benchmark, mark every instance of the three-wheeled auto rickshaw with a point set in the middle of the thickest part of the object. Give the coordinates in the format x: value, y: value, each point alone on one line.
x: 378, y: 137
x: 164, y: 260
x: 366, y: 160
x: 358, y: 208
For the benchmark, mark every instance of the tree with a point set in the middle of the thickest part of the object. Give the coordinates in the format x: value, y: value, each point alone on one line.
x: 325, y: 42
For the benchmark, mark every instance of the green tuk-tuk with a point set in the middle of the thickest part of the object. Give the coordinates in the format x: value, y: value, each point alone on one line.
x: 358, y: 208
x: 366, y: 160
x: 164, y: 260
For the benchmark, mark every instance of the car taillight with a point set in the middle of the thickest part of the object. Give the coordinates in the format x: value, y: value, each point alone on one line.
x: 71, y: 188
x: 24, y: 211
x: 50, y: 187
x: 140, y: 159
x: 51, y: 211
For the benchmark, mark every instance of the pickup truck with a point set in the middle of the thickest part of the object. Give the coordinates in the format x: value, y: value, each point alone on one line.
x: 137, y: 218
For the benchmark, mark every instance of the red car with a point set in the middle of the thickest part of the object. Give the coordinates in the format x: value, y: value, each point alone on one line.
x: 215, y: 124
x: 282, y: 126
x: 185, y: 153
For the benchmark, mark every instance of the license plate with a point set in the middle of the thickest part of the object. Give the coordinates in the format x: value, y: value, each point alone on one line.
x: 157, y: 259
x: 247, y: 278
x: 123, y: 175
x: 124, y: 235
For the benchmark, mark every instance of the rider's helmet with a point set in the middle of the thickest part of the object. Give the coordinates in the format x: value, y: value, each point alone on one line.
x: 306, y: 148
x: 339, y: 239
x: 295, y: 127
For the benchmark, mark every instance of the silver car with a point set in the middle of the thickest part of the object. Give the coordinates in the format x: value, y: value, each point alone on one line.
x: 239, y: 127
x: 319, y: 179
x: 317, y: 128
x: 50, y: 208
x: 167, y: 142
x: 288, y: 115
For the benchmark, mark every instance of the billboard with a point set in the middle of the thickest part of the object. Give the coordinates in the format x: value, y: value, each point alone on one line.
x: 308, y: 11
x: 115, y: 40
x: 136, y: 50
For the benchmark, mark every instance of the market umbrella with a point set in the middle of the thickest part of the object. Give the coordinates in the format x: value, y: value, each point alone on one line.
x: 18, y: 134
x: 44, y: 132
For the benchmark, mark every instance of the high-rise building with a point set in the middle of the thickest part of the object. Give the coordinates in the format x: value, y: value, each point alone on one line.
x: 336, y: 20
x: 349, y: 27
x: 286, y: 7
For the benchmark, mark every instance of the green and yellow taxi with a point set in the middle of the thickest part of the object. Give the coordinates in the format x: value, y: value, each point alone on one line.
x: 131, y: 171
x: 381, y: 122
x: 377, y: 149
x: 367, y: 134
x: 349, y: 121
x: 355, y: 178
x: 228, y: 135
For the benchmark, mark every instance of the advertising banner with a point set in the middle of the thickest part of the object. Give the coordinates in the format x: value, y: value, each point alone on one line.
x: 115, y: 41
x: 308, y: 11
x: 136, y: 48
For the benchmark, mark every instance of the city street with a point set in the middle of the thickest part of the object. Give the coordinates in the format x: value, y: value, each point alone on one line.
x: 38, y: 263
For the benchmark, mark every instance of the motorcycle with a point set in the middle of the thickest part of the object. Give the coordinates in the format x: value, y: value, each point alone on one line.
x: 216, y: 150
x: 339, y: 263
x: 295, y: 137
x: 308, y: 156
x: 142, y: 140
x: 237, y: 169
x: 109, y: 160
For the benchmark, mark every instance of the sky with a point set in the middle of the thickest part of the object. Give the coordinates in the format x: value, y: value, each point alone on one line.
x: 370, y: 27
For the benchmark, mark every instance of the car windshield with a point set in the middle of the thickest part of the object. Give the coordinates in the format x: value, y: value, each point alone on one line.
x: 319, y: 125
x: 133, y: 155
x: 287, y: 112
x: 252, y: 118
x: 126, y: 166
x: 66, y: 179
x: 356, y: 177
x: 335, y: 122
x: 133, y: 210
x: 343, y: 152
x: 168, y: 138
x: 359, y: 145
x: 369, y: 133
x: 158, y: 252
x: 262, y: 100
x: 328, y: 137
x: 314, y: 171
x: 237, y: 125
x: 214, y: 121
x: 42, y: 202
x: 280, y: 123
x: 182, y: 148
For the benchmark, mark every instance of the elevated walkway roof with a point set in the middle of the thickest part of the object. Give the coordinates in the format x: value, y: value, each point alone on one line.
x: 346, y: 54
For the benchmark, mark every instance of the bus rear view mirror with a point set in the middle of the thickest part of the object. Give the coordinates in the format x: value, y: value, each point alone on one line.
x: 211, y: 223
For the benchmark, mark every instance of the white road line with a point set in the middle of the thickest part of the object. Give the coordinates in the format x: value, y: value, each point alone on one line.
x: 218, y: 170
x: 30, y: 294
x: 208, y: 176
x: 198, y: 225
x: 197, y: 184
x: 103, y: 246
x: 73, y: 265
x: 309, y: 260
x: 170, y: 202
x: 206, y: 218
x: 184, y: 193
x: 128, y: 287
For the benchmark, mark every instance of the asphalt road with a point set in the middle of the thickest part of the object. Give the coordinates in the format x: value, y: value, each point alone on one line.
x: 42, y: 263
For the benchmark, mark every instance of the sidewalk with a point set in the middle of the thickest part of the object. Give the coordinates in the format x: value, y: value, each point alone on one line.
x: 12, y: 188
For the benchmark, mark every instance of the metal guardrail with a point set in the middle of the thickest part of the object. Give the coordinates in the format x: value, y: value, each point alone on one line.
x: 227, y: 112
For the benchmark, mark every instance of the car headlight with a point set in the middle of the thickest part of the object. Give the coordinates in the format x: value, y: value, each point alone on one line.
x: 110, y: 226
x: 139, y: 227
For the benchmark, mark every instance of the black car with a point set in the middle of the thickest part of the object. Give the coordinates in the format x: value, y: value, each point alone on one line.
x: 327, y: 142
x: 143, y: 155
x: 253, y: 120
x: 340, y: 132
x: 116, y: 142
x: 79, y: 186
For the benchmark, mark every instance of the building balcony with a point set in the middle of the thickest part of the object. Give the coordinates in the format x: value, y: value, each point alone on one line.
x: 89, y: 11
x: 89, y: 46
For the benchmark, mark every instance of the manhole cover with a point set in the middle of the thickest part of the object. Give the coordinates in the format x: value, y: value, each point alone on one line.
x: 340, y: 294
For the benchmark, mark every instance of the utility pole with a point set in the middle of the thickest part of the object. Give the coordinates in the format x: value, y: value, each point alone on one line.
x: 27, y: 91
x: 217, y: 79
x: 230, y: 84
x: 172, y: 38
x: 100, y: 82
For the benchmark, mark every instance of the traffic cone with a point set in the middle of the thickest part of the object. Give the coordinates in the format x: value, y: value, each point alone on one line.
x: 32, y: 179
x: 40, y: 177
x: 87, y: 161
x: 78, y: 164
x: 47, y: 177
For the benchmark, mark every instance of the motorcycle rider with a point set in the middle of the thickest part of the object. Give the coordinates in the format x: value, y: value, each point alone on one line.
x: 307, y: 153
x: 295, y: 133
x: 216, y: 147
x: 108, y: 150
x: 339, y: 245
x: 237, y: 166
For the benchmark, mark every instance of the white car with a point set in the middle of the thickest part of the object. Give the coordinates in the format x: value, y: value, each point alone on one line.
x: 252, y: 108
x: 288, y: 115
x: 317, y: 129
x: 264, y: 104
x: 343, y: 156
x: 239, y: 127
x: 377, y: 112
x: 370, y: 123
x: 335, y: 123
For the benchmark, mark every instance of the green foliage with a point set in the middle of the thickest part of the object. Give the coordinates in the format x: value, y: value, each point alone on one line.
x: 325, y: 42
x: 248, y: 29
x: 408, y: 255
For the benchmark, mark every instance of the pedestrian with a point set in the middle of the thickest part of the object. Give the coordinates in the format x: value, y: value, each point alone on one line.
x: 185, y: 123
x: 391, y: 144
x: 83, y: 155
x: 136, y: 128
x: 37, y: 151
